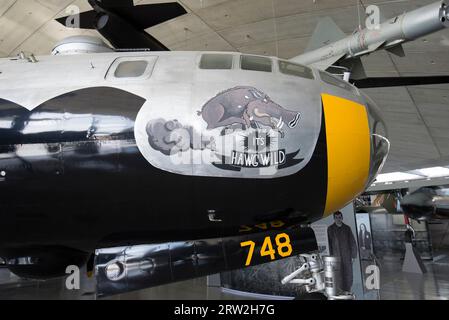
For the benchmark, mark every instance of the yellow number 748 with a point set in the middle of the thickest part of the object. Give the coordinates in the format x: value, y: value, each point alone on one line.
x: 284, y: 248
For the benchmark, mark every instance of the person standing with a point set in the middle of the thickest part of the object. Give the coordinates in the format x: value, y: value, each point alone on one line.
x: 342, y: 244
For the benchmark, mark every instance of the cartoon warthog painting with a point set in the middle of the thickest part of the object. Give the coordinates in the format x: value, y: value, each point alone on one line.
x: 246, y: 107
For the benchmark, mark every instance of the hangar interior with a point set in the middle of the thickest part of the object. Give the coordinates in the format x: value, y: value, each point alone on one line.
x: 417, y: 118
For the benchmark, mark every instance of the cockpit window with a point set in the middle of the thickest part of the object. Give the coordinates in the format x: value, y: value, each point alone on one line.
x: 131, y: 69
x: 296, y: 70
x: 216, y: 61
x: 329, y: 79
x: 255, y: 63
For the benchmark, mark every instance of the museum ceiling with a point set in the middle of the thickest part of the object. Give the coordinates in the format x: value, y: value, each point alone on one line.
x: 417, y: 117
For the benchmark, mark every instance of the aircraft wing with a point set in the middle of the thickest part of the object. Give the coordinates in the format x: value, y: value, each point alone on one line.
x: 382, y: 82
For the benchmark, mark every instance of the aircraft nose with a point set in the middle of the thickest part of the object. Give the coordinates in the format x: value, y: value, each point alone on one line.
x: 357, y: 147
x: 417, y: 199
x: 419, y: 204
x: 348, y: 140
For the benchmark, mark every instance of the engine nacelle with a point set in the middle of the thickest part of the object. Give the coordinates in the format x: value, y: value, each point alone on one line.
x: 80, y: 45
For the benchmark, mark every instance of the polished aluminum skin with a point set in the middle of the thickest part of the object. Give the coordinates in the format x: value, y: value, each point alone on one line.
x: 180, y: 94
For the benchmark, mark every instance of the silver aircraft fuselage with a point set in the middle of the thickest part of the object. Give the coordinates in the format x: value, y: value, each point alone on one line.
x: 135, y: 147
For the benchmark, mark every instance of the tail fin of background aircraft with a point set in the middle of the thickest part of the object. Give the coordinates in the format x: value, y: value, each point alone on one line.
x: 325, y: 33
x: 142, y: 16
x: 124, y: 24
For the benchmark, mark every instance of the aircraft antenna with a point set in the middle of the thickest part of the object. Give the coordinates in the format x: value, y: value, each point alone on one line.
x: 275, y: 28
x: 359, y: 4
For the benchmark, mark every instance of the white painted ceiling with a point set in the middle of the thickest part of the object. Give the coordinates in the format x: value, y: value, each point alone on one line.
x: 417, y: 117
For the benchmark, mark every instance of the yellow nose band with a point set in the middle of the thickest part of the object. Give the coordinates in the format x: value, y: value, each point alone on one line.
x: 348, y: 150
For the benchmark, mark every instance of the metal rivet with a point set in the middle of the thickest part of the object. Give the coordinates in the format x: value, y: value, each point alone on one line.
x: 3, y: 173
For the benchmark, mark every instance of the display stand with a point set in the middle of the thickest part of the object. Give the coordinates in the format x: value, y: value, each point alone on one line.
x: 412, y: 261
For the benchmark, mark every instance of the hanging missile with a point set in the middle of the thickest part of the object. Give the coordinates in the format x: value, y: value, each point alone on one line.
x: 388, y: 35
